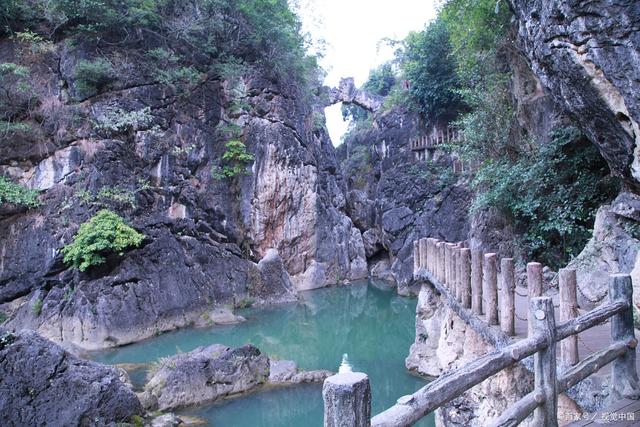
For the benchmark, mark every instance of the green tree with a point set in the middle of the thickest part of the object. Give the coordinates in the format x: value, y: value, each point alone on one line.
x: 428, y: 64
x: 105, y: 233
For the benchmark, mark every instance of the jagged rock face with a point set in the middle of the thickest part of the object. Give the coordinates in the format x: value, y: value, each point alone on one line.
x: 204, y: 234
x: 43, y: 385
x: 204, y: 375
x: 396, y: 199
x: 614, y: 248
x: 585, y: 53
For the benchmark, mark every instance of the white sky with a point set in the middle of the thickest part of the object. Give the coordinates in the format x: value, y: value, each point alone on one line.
x: 352, y: 30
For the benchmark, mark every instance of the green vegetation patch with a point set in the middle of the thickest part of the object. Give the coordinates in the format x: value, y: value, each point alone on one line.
x: 234, y: 161
x: 18, y: 195
x: 105, y: 233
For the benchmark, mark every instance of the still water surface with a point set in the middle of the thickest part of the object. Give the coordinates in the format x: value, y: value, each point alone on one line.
x: 366, y: 320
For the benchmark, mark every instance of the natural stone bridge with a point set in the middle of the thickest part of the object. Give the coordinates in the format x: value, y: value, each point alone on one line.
x: 348, y: 93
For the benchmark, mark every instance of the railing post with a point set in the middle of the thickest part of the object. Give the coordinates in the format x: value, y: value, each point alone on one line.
x: 491, y: 288
x: 624, y: 377
x: 534, y: 279
x: 465, y: 277
x: 441, y: 261
x: 507, y: 314
x: 447, y: 265
x: 568, y: 310
x: 456, y: 271
x: 542, y: 322
x: 423, y: 253
x: 347, y: 400
x: 476, y: 281
x: 416, y: 258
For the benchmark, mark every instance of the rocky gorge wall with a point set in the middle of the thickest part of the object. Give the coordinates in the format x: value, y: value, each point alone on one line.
x: 147, y: 150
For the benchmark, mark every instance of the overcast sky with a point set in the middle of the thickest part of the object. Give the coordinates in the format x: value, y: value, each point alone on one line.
x: 352, y: 30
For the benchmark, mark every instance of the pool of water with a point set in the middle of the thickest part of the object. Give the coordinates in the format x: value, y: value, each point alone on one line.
x: 366, y: 320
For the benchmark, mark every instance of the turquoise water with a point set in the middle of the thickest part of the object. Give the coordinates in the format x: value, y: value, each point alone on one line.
x: 368, y: 321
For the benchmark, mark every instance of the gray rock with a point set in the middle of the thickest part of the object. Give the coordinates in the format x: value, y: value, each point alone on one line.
x: 204, y: 375
x: 43, y: 385
x: 585, y: 54
x: 275, y: 281
x: 286, y: 372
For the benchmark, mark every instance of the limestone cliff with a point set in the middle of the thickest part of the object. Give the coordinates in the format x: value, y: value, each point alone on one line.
x: 394, y: 198
x: 148, y: 142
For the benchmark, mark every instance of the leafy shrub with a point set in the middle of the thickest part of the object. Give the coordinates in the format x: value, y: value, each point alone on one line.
x: 36, y: 307
x: 105, y: 233
x: 234, y: 161
x: 118, y: 122
x: 18, y: 195
x: 3, y: 317
x: 92, y: 77
x: 551, y: 194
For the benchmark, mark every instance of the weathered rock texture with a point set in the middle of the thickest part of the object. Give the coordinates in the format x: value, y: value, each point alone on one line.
x: 445, y: 342
x: 613, y: 248
x: 394, y: 198
x: 204, y: 375
x: 586, y: 55
x: 43, y: 385
x: 204, y: 235
x: 287, y: 372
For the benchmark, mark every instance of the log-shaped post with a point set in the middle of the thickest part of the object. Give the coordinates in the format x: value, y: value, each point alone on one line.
x: 416, y: 258
x: 447, y: 265
x: 347, y: 400
x: 624, y: 377
x: 476, y: 281
x: 508, y: 300
x: 441, y: 262
x: 456, y: 269
x: 423, y: 253
x: 534, y: 279
x: 429, y: 255
x: 465, y: 277
x: 542, y: 322
x: 491, y: 288
x: 434, y: 256
x: 568, y: 310
x: 459, y: 283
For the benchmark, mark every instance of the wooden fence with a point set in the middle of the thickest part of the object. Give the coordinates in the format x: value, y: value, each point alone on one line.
x: 461, y: 276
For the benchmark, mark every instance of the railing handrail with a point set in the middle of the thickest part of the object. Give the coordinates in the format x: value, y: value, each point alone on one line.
x: 440, y: 392
x: 451, y: 269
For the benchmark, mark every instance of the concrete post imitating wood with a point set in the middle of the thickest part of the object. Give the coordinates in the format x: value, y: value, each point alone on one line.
x: 491, y: 288
x: 432, y: 256
x: 624, y: 377
x: 568, y: 310
x: 454, y: 269
x: 534, y: 279
x: 447, y: 265
x: 465, y: 277
x: 416, y: 258
x: 476, y: 281
x: 347, y: 400
x: 428, y: 259
x: 542, y: 322
x: 459, y: 285
x: 441, y: 261
x: 508, y: 309
x: 423, y: 253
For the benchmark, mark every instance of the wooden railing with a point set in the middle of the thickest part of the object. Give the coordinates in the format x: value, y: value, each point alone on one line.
x: 432, y: 140
x: 455, y: 272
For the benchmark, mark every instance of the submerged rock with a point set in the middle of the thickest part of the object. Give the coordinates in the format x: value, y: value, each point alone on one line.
x: 287, y: 372
x: 204, y: 375
x: 43, y: 385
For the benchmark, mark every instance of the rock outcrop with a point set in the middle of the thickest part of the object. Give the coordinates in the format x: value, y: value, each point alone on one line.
x: 204, y: 375
x: 394, y: 198
x: 41, y: 384
x: 151, y: 151
x: 585, y: 54
x: 287, y: 372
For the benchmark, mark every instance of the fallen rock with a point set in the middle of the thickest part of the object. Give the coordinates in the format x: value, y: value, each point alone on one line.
x: 42, y: 384
x: 204, y: 375
x: 286, y: 372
